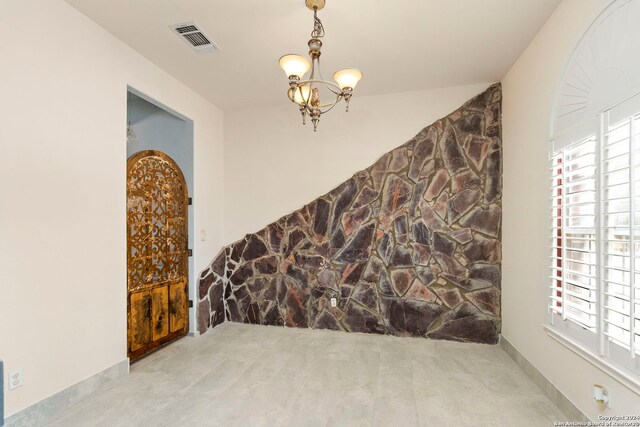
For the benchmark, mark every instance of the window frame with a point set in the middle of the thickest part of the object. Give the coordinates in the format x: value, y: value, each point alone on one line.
x: 595, y: 346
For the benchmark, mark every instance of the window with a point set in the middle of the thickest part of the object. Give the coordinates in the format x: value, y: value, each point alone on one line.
x: 595, y: 236
x: 594, y: 295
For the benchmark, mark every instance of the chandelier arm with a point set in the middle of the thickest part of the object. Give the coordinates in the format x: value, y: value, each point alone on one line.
x: 327, y: 107
x: 325, y: 82
x: 338, y: 93
x: 332, y: 105
x: 331, y: 86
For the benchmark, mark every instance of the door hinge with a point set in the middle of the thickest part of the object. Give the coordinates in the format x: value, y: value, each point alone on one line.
x: 189, y: 201
x: 189, y: 252
x: 190, y: 303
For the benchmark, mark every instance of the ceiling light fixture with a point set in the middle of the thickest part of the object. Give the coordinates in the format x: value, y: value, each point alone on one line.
x: 305, y: 93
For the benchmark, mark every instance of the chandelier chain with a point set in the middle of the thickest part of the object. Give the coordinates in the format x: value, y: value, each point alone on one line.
x: 318, y: 28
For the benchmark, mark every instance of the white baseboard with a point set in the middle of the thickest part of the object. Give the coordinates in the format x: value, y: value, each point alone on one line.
x: 560, y: 400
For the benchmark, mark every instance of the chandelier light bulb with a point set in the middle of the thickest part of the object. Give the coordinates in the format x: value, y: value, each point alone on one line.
x: 294, y: 65
x: 347, y: 78
x: 300, y: 95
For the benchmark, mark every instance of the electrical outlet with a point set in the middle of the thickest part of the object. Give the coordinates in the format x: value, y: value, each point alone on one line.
x: 602, y: 395
x: 334, y: 302
x: 15, y: 379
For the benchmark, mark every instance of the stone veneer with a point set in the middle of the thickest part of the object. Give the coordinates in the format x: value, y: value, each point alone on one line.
x: 409, y: 246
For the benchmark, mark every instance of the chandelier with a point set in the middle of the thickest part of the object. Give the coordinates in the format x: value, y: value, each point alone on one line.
x: 306, y: 93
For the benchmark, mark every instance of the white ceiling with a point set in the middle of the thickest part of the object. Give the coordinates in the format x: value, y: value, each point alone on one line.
x: 400, y: 45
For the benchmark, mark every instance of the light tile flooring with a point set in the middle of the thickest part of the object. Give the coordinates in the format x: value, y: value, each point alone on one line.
x: 249, y: 375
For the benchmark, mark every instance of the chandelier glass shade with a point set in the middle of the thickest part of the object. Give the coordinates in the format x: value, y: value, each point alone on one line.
x: 313, y: 95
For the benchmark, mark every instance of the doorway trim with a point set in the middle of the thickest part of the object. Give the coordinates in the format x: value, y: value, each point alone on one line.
x: 192, y: 194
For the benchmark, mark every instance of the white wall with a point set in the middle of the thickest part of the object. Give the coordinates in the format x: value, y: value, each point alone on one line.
x: 274, y: 165
x: 529, y: 90
x: 63, y: 86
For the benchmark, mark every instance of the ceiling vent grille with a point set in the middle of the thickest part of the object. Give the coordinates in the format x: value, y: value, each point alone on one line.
x: 195, y: 37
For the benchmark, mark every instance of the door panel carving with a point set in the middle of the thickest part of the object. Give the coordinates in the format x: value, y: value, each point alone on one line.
x: 159, y: 312
x: 139, y: 327
x: 179, y: 306
x: 157, y: 252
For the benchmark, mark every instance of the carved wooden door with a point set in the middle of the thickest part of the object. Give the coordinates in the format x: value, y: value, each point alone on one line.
x: 157, y: 253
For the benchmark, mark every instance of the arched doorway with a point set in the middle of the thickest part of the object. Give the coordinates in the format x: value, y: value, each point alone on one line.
x: 157, y: 252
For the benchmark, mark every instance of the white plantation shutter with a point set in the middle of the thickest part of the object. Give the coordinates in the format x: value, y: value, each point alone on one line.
x: 621, y: 232
x: 556, y: 256
x: 617, y: 236
x: 573, y: 269
x: 595, y: 237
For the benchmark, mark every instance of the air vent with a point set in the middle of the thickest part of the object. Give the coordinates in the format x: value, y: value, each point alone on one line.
x: 186, y: 29
x: 195, y: 37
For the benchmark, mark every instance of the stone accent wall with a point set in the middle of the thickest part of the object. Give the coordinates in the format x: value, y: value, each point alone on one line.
x: 409, y: 246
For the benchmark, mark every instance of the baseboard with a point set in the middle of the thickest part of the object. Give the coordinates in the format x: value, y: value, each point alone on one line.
x: 570, y: 410
x: 50, y: 408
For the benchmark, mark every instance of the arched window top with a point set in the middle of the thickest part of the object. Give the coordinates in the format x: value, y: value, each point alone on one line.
x: 604, y: 69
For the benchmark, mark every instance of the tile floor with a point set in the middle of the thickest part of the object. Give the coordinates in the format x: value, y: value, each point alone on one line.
x: 246, y: 375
